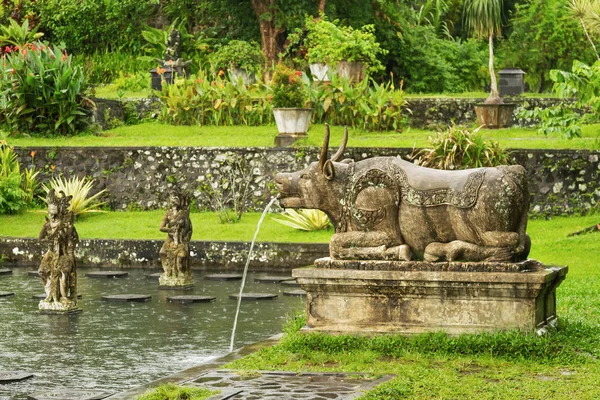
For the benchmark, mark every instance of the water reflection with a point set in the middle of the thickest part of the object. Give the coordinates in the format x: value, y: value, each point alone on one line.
x: 115, y: 346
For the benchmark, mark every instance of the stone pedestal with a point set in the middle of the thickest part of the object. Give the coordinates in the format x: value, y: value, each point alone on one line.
x: 415, y: 297
x: 58, y: 307
x: 181, y: 281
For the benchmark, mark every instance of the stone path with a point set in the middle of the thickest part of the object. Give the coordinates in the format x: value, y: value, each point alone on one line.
x: 14, y: 376
x: 284, y: 385
x: 4, y: 271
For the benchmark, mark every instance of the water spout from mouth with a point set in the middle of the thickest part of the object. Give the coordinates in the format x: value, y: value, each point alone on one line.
x: 239, y: 302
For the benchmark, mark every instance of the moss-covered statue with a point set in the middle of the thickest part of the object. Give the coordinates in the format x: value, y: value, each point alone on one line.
x: 175, y: 252
x: 58, y: 267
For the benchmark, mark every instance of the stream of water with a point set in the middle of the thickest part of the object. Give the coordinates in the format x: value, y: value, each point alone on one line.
x: 117, y: 346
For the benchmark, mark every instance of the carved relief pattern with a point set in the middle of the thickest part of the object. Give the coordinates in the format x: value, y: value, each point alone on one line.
x: 464, y: 198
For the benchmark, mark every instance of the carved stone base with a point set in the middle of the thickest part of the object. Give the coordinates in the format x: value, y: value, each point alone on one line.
x: 417, y: 297
x: 181, y: 281
x: 51, y: 307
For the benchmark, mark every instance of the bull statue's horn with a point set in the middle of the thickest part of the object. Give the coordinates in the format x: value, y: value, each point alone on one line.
x: 324, y: 150
x: 338, y: 154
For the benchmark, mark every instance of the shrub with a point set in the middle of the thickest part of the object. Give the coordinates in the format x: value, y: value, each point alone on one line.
x: 238, y: 54
x: 40, y: 91
x: 105, y: 67
x: 457, y: 148
x: 78, y: 188
x: 16, y: 189
x: 289, y: 91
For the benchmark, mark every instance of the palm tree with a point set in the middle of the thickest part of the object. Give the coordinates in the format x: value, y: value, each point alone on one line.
x: 483, y: 18
x: 588, y: 13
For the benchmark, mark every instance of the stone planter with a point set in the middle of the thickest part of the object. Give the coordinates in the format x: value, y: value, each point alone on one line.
x: 319, y: 72
x: 292, y: 124
x: 495, y: 116
x: 352, y: 70
x: 247, y: 77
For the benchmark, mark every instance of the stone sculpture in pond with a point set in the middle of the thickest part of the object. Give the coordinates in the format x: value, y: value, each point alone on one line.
x: 175, y: 252
x: 387, y: 208
x: 58, y: 266
x: 417, y: 249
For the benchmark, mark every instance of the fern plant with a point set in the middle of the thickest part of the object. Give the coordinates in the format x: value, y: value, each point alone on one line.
x: 79, y: 188
x: 306, y: 220
x: 458, y: 148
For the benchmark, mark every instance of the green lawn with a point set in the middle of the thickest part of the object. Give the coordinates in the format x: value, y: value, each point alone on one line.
x: 508, y: 365
x: 156, y: 134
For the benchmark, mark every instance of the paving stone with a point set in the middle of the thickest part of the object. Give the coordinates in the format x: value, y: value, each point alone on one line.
x: 292, y: 283
x: 44, y: 295
x: 127, y: 297
x: 107, y: 274
x: 297, y: 292
x: 224, y: 277
x: 5, y: 271
x: 272, y: 279
x: 14, y: 376
x: 7, y: 294
x: 186, y: 287
x: 191, y: 299
x: 33, y: 273
x: 254, y: 296
x: 70, y: 394
x: 154, y: 275
x: 280, y: 385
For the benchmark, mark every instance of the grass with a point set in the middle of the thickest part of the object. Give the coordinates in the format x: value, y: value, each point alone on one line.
x: 170, y: 391
x: 504, y: 365
x: 145, y: 224
x: 110, y: 92
x: 156, y: 134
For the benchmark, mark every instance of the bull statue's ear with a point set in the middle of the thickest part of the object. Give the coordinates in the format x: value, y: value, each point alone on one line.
x: 329, y: 170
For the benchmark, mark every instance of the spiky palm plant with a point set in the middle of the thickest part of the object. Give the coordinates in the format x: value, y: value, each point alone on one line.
x: 483, y: 18
x: 306, y: 220
x: 79, y: 188
x: 588, y: 14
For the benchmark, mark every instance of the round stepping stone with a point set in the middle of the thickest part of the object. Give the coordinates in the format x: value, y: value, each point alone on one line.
x: 44, y: 295
x: 5, y: 271
x: 7, y: 294
x: 33, y: 273
x: 70, y: 394
x: 298, y: 292
x: 14, y: 376
x: 291, y: 283
x: 191, y: 299
x: 272, y: 279
x: 154, y: 276
x: 127, y: 297
x: 254, y: 296
x: 107, y: 274
x: 224, y: 277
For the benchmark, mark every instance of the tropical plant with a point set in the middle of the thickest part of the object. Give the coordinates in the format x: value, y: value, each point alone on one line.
x: 105, y: 66
x: 16, y: 188
x: 18, y: 35
x: 238, y: 54
x: 305, y: 220
x: 483, y: 18
x: 289, y: 89
x: 171, y: 391
x: 40, y: 91
x: 459, y: 148
x: 80, y: 189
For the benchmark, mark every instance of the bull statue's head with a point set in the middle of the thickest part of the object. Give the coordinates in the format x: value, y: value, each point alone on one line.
x: 319, y: 186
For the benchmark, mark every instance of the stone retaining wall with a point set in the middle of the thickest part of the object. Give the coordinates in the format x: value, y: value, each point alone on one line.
x: 561, y: 181
x: 144, y: 254
x: 430, y: 112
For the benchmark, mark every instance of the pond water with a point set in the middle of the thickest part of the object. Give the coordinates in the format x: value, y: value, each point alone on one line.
x: 115, y: 346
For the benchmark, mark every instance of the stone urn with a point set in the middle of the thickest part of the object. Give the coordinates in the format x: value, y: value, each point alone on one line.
x: 292, y: 124
x: 495, y: 116
x: 319, y: 72
x: 352, y: 70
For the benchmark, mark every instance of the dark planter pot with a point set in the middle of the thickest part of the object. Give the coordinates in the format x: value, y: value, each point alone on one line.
x: 292, y: 124
x: 495, y: 116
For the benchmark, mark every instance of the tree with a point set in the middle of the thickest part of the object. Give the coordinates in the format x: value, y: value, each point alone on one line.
x: 483, y: 18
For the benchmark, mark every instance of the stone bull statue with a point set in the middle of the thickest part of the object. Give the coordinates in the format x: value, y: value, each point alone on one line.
x: 386, y: 208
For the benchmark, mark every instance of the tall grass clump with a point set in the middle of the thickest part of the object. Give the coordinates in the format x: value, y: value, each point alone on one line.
x: 80, y: 189
x: 171, y: 391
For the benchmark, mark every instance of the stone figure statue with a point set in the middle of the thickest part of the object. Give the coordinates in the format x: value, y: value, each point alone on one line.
x: 58, y: 267
x: 173, y: 50
x: 175, y: 252
x: 386, y: 208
